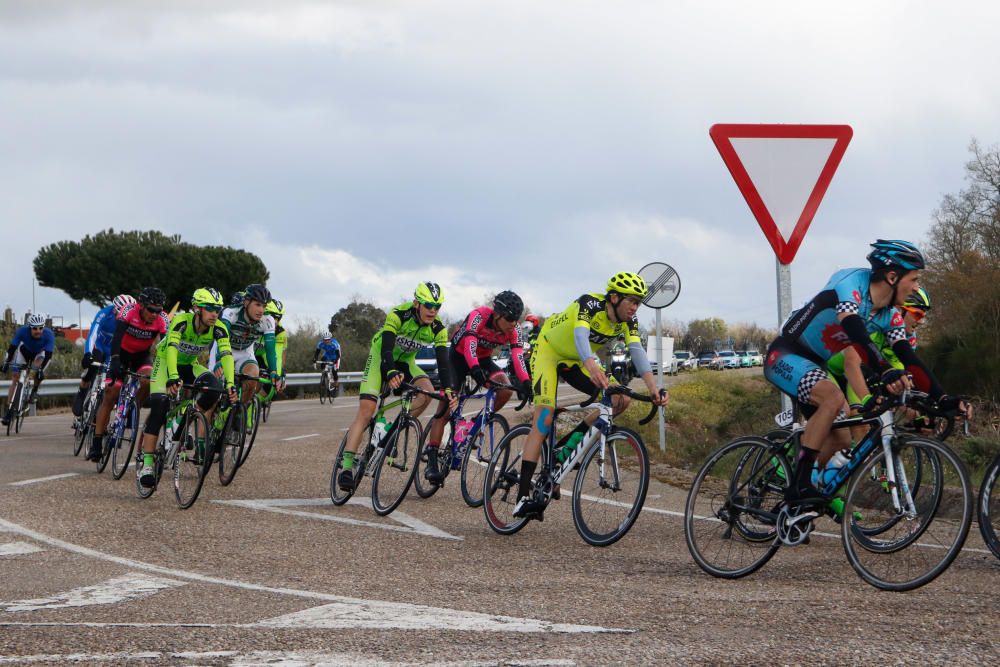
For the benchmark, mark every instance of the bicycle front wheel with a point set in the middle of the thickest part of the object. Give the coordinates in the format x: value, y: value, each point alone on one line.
x: 252, y: 422
x: 500, y: 482
x: 121, y: 454
x: 424, y: 487
x: 193, y: 459
x: 921, y: 528
x: 396, y: 466
x: 230, y: 443
x: 989, y: 507
x: 476, y: 458
x: 610, y: 488
x: 14, y: 410
x: 338, y: 495
x: 324, y: 388
x: 732, y: 508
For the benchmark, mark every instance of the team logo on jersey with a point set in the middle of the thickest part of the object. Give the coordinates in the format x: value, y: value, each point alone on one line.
x: 772, y: 357
x: 835, y: 338
x: 897, y: 319
x: 408, y: 344
x: 857, y: 296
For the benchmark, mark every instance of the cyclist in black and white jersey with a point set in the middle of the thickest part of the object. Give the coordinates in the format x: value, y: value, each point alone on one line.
x: 248, y: 324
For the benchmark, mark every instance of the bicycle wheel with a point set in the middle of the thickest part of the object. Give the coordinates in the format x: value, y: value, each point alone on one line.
x: 109, y: 442
x: 423, y: 487
x: 162, y: 458
x: 476, y: 458
x: 265, y: 410
x: 989, y: 507
x: 14, y: 410
x: 193, y: 458
x: 251, y: 424
x: 121, y: 453
x: 912, y: 552
x: 396, y: 465
x: 610, y: 488
x: 87, y: 421
x: 501, y: 481
x: 730, y: 513
x: 324, y: 388
x: 338, y: 495
x: 230, y: 443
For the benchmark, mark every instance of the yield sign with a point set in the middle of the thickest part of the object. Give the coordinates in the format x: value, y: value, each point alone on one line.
x: 783, y: 172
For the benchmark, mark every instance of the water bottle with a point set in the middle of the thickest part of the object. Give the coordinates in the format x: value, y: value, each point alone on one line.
x: 836, y: 462
x: 378, y: 433
x: 566, y: 451
x: 462, y: 428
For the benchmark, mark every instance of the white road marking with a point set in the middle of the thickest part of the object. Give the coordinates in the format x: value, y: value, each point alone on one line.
x: 43, y: 479
x: 111, y: 657
x: 262, y: 658
x: 126, y: 587
x: 18, y: 549
x: 402, y: 610
x: 299, y: 437
x: 281, y: 505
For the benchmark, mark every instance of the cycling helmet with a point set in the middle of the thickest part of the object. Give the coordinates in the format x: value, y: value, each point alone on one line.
x: 236, y: 298
x: 36, y: 320
x: 121, y: 301
x: 918, y: 299
x: 257, y: 292
x: 508, y: 305
x: 327, y: 337
x: 275, y: 308
x: 206, y: 296
x: 628, y: 283
x: 886, y: 255
x: 152, y: 296
x: 532, y: 319
x: 428, y: 293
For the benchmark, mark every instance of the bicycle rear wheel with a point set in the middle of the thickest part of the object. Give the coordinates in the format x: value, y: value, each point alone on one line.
x: 14, y: 410
x: 340, y: 496
x: 501, y: 481
x: 87, y: 421
x: 917, y: 543
x: 731, y: 509
x: 109, y: 443
x: 192, y: 459
x: 610, y: 488
x: 324, y: 388
x: 396, y: 465
x: 989, y: 507
x: 477, y: 457
x: 230, y: 443
x: 121, y: 453
x: 424, y: 487
x: 252, y: 422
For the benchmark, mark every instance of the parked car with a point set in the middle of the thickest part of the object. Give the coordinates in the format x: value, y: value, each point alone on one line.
x: 727, y: 359
x: 746, y: 359
x: 757, y: 359
x: 706, y: 359
x: 620, y: 363
x: 427, y: 361
x: 684, y: 361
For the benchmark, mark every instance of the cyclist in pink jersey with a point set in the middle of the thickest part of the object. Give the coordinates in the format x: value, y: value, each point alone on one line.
x: 138, y: 328
x: 484, y: 330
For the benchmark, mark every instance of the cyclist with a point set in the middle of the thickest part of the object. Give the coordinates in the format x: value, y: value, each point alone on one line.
x: 391, y: 360
x: 248, y: 324
x: 276, y: 310
x: 177, y: 360
x: 98, y: 346
x: 483, y: 331
x: 328, y: 350
x: 28, y: 341
x: 138, y: 328
x: 566, y: 348
x: 854, y: 304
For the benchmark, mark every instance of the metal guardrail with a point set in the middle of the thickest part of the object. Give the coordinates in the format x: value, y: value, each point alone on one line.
x: 68, y: 386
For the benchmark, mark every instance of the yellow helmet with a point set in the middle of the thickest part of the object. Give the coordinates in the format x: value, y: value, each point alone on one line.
x: 429, y: 292
x: 628, y: 283
x: 275, y: 308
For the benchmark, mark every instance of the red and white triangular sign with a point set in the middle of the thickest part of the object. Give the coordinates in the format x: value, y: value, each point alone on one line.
x: 783, y: 172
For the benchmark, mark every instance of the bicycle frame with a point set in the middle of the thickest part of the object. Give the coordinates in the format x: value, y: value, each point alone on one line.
x: 129, y: 389
x: 484, y: 415
x: 596, y: 436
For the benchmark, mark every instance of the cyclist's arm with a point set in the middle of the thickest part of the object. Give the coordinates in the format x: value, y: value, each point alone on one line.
x: 11, y: 349
x: 121, y: 326
x: 469, y: 341
x: 269, y: 349
x: 855, y: 374
x: 224, y: 355
x: 279, y: 355
x: 517, y: 356
x: 318, y: 351
x: 389, y: 330
x: 861, y: 341
x: 95, y: 331
x: 922, y: 376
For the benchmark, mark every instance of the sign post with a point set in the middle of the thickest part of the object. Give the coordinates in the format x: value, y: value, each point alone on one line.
x: 783, y: 172
x: 664, y: 287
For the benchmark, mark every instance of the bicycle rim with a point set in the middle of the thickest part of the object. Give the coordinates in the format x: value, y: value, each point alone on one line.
x: 192, y: 459
x: 476, y: 459
x: 337, y: 495
x: 230, y: 443
x: 252, y: 422
x: 501, y: 481
x: 915, y: 550
x: 396, y: 466
x: 989, y: 507
x: 122, y: 453
x: 610, y: 488
x: 424, y: 487
x: 110, y: 441
x: 730, y: 513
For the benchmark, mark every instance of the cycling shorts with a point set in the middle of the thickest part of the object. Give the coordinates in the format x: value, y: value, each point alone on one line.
x: 548, y: 367
x: 460, y: 368
x: 793, y: 373
x: 186, y: 372
x: 241, y: 359
x: 371, y: 380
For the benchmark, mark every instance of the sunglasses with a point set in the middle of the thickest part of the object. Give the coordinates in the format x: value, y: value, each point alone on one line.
x: 37, y: 328
x: 212, y: 309
x: 430, y: 305
x: 916, y: 312
x: 154, y: 311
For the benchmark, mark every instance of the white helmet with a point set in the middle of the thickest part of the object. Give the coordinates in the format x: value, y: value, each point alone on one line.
x: 121, y: 301
x: 36, y: 320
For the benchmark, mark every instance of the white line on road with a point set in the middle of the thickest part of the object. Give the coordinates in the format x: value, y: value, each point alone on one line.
x: 18, y: 549
x: 258, y: 658
x: 404, y: 613
x: 299, y: 437
x: 44, y: 479
x: 130, y: 586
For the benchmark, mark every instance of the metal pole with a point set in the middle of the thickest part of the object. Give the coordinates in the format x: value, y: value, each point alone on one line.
x: 33, y: 309
x: 783, y: 274
x: 659, y: 377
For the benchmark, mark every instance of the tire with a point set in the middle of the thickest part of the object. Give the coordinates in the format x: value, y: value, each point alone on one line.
x: 338, y: 495
x: 15, y: 412
x: 396, y: 466
x: 916, y: 550
x: 230, y: 443
x: 265, y: 411
x: 110, y: 441
x: 476, y: 458
x: 989, y: 507
x: 252, y: 424
x: 729, y: 522
x: 142, y: 491
x: 87, y: 421
x: 324, y: 388
x: 121, y: 454
x: 501, y: 481
x: 610, y: 488
x: 423, y: 487
x: 192, y: 459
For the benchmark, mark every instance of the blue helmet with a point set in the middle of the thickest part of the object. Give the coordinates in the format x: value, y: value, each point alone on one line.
x: 887, y: 255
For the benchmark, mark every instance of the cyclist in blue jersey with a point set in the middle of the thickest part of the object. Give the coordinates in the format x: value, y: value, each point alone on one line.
x: 328, y: 350
x: 854, y: 304
x: 98, y: 346
x: 29, y: 340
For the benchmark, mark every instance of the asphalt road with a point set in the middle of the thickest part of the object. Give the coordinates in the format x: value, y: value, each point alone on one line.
x: 268, y: 571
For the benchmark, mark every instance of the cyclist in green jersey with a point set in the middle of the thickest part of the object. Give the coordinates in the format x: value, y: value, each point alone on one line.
x: 177, y: 360
x: 276, y: 310
x: 392, y: 359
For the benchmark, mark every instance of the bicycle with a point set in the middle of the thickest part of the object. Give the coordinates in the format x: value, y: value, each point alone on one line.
x: 389, y: 456
x: 988, y: 510
x: 329, y: 384
x: 83, y: 426
x: 253, y: 409
x: 468, y: 444
x: 612, y: 477
x: 124, y: 428
x: 18, y: 406
x: 266, y: 398
x: 185, y: 446
x: 236, y: 427
x: 736, y: 518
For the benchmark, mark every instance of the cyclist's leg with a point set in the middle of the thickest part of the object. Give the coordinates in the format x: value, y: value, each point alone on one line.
x: 496, y: 374
x: 545, y: 378
x: 576, y: 376
x: 101, y: 421
x: 36, y: 367
x: 371, y: 389
x: 87, y: 379
x: 459, y: 370
x: 416, y: 376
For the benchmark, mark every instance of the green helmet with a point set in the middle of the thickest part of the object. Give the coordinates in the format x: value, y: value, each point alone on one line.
x: 918, y: 299
x: 628, y: 283
x: 275, y: 308
x: 206, y: 296
x: 428, y: 293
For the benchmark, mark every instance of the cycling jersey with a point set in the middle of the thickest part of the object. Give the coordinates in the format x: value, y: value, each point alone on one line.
x: 133, y: 334
x: 31, y: 345
x: 329, y: 351
x: 183, y: 346
x: 102, y: 330
x: 395, y: 346
x: 280, y: 344
x: 478, y: 338
x: 244, y: 332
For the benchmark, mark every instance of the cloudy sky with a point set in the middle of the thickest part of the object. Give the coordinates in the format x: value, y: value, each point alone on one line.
x: 361, y: 146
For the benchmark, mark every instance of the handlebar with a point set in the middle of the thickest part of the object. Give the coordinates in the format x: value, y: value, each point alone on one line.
x: 510, y: 387
x: 625, y: 391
